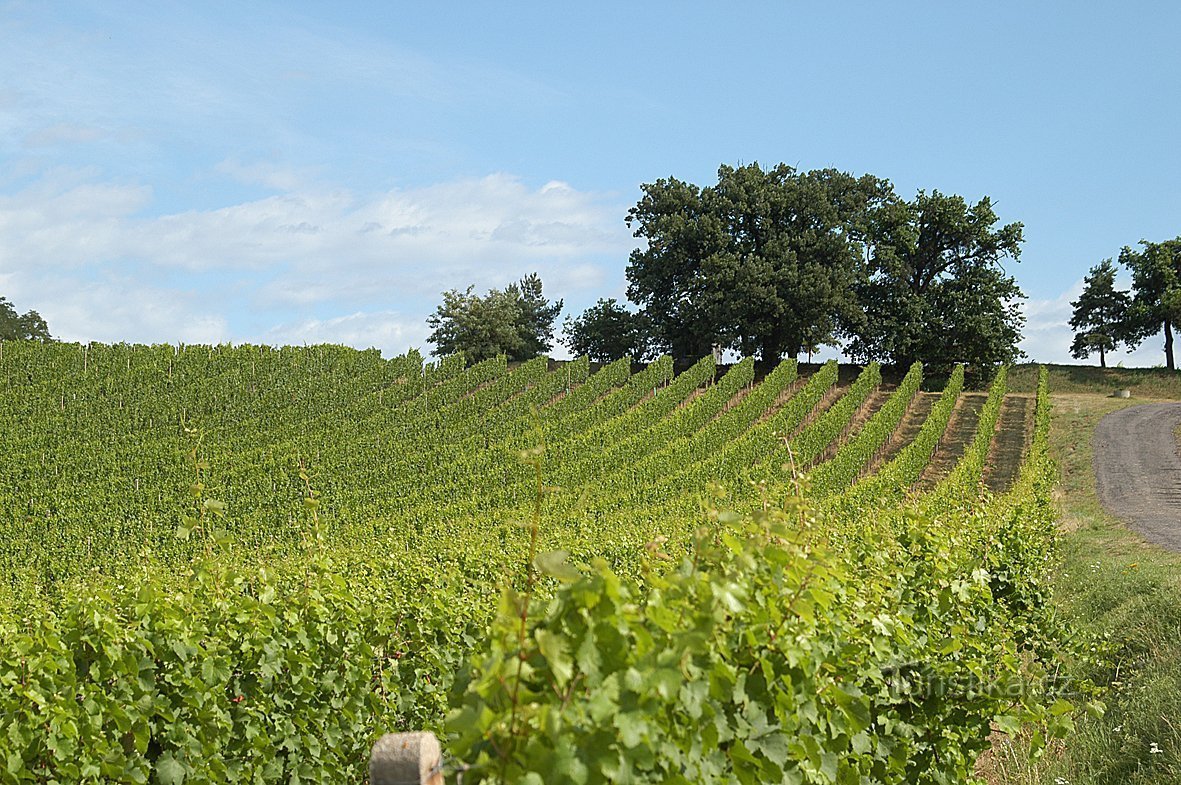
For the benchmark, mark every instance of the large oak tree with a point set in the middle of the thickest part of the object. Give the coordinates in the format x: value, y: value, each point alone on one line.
x: 937, y: 290
x: 765, y: 261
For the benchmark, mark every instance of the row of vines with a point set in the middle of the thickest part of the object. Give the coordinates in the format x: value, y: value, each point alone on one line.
x: 242, y: 564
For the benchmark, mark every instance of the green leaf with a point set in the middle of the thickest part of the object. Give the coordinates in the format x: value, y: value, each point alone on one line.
x: 631, y: 726
x: 1061, y: 707
x: 556, y: 650
x: 553, y: 563
x: 170, y: 771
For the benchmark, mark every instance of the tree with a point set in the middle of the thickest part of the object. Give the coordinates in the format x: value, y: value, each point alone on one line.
x: 608, y: 331
x: 1100, y: 319
x: 975, y: 318
x: 764, y: 261
x: 535, y: 319
x: 1156, y: 283
x: 28, y: 326
x: 517, y: 322
x: 936, y: 290
x: 668, y: 277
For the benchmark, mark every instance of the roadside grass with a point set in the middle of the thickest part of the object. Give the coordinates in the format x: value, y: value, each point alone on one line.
x: 1066, y: 379
x: 1115, y: 587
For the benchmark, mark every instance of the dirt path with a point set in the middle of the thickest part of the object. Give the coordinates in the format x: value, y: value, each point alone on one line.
x: 1013, y: 430
x: 959, y: 434
x: 1138, y: 471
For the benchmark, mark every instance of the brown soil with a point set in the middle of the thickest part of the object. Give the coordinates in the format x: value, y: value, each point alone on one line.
x: 912, y: 422
x: 961, y: 429
x: 783, y: 398
x: 735, y: 399
x: 1013, y: 431
x: 831, y: 396
x: 874, y: 401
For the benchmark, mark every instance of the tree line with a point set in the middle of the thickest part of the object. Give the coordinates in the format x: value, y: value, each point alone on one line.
x: 27, y: 326
x: 775, y: 262
x: 1105, y: 318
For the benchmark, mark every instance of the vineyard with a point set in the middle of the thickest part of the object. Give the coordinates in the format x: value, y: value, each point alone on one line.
x: 245, y: 563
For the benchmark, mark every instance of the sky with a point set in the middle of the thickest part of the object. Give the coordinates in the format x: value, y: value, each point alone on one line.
x: 292, y: 173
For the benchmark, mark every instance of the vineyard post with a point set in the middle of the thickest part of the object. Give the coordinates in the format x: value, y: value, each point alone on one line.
x: 406, y: 759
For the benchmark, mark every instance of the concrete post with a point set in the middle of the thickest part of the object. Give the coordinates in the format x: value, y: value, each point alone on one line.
x: 406, y: 759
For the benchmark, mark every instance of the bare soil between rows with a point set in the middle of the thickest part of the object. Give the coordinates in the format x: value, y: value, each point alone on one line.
x: 1138, y: 470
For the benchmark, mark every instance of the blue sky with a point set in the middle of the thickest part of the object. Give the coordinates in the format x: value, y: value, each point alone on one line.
x: 303, y: 172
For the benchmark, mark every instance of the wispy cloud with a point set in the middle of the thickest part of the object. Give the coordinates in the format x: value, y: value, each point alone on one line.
x: 63, y: 133
x: 313, y: 263
x: 175, y: 90
x: 389, y: 331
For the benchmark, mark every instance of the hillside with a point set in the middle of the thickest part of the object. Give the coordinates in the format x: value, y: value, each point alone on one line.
x: 268, y: 550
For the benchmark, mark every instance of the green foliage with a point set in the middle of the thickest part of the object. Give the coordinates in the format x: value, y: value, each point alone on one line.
x: 777, y: 261
x: 1156, y: 287
x: 764, y: 261
x: 28, y: 326
x: 517, y: 322
x: 607, y: 331
x: 853, y: 456
x: 767, y: 657
x: 937, y: 292
x: 536, y: 315
x: 348, y: 522
x: 1100, y: 318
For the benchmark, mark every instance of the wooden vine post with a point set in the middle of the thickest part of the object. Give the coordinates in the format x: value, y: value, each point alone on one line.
x: 406, y: 759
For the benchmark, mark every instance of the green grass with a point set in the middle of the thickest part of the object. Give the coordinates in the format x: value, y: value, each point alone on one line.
x: 1066, y: 379
x: 1126, y: 593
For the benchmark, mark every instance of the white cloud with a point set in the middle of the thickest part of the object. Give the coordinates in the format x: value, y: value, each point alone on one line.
x: 63, y: 133
x: 389, y: 331
x: 268, y: 175
x: 88, y: 255
x: 119, y: 309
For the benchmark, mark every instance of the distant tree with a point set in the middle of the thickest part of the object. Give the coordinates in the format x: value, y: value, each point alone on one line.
x: 608, y: 331
x: 535, y: 319
x: 1100, y: 319
x: 28, y: 326
x: 936, y: 290
x: 517, y: 322
x: 480, y: 327
x: 1156, y: 287
x: 764, y: 262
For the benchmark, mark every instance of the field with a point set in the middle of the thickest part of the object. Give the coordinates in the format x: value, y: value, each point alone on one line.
x: 245, y: 563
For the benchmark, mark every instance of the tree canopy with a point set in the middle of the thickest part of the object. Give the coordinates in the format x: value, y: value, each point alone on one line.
x: 28, y: 326
x: 764, y: 262
x: 936, y: 290
x: 517, y: 321
x: 1100, y: 318
x: 776, y: 261
x: 609, y: 331
x: 1156, y: 283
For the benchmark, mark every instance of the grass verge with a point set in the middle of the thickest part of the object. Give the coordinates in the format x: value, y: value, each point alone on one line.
x: 1068, y: 379
x: 1114, y: 586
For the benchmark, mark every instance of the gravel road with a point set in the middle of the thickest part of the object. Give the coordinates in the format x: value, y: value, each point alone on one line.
x: 1138, y: 471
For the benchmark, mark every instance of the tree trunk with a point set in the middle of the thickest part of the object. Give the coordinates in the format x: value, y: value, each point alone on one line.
x: 1169, y: 346
x: 1102, y: 359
